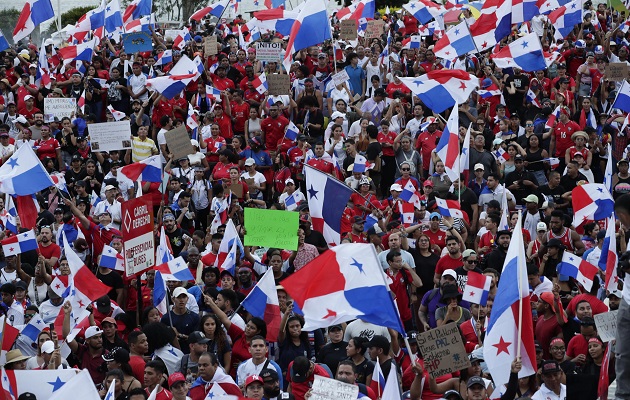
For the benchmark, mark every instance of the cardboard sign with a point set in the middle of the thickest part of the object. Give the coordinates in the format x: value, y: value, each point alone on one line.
x: 374, y: 29
x: 271, y: 228
x: 340, y: 77
x: 110, y: 136
x: 237, y: 189
x: 348, y: 29
x: 332, y: 389
x: 606, y: 324
x: 443, y: 350
x: 279, y: 84
x: 210, y: 45
x: 178, y: 142
x: 137, y: 41
x: 616, y: 71
x: 137, y: 232
x: 269, y: 52
x: 59, y: 108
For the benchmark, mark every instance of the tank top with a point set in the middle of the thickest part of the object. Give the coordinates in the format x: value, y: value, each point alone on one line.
x: 531, y: 157
x: 622, y: 187
x: 254, y: 125
x: 565, y: 238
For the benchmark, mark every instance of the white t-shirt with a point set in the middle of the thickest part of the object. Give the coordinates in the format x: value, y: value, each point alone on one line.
x: 259, y: 179
x: 364, y: 329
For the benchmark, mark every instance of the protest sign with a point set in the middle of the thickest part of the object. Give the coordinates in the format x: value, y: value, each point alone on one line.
x: 137, y: 232
x: 279, y: 84
x: 110, y: 136
x: 616, y: 71
x: 178, y: 142
x: 268, y: 51
x: 332, y: 389
x: 137, y: 41
x: 374, y: 29
x: 210, y: 45
x: 59, y: 108
x: 349, y: 29
x: 171, y: 33
x: 443, y: 350
x: 340, y: 77
x: 606, y: 324
x: 271, y: 228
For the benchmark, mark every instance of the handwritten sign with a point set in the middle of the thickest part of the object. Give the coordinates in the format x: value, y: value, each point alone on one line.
x: 171, y: 33
x: 332, y: 389
x: 348, y: 29
x: 271, y: 228
x: 110, y: 136
x: 443, y: 350
x: 178, y: 142
x: 268, y: 52
x: 210, y: 45
x: 279, y: 84
x: 137, y: 41
x: 374, y: 29
x: 59, y: 108
x: 606, y: 324
x: 616, y: 71
x: 340, y: 77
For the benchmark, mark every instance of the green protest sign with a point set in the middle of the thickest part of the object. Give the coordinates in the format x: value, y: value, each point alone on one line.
x: 271, y: 228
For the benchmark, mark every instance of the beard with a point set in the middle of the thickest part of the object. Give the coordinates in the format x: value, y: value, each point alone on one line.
x: 271, y: 393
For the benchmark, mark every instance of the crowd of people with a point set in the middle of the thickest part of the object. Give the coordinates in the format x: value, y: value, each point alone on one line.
x: 243, y: 158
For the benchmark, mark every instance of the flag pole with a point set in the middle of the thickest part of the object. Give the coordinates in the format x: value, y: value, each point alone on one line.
x: 520, y: 301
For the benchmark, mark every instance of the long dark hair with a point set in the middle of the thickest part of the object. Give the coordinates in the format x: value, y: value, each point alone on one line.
x: 220, y: 338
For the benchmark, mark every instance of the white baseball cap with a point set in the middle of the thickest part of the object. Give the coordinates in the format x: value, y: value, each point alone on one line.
x: 92, y: 331
x: 179, y: 291
x: 48, y: 347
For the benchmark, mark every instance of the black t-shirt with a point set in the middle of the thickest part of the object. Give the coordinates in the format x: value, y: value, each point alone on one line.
x: 468, y: 198
x: 569, y: 183
x: 554, y: 194
x: 316, y: 239
x: 113, y: 280
x: 331, y: 354
x: 373, y: 150
x: 462, y: 276
x: 365, y: 369
x: 520, y: 82
x: 177, y: 240
x: 425, y: 268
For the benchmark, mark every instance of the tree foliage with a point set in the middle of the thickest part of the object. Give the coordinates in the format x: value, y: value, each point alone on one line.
x: 8, y: 20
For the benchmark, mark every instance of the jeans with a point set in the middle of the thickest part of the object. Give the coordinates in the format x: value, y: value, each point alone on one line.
x: 622, y: 352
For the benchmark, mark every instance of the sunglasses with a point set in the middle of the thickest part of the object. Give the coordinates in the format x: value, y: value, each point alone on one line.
x: 405, y: 169
x: 472, y: 261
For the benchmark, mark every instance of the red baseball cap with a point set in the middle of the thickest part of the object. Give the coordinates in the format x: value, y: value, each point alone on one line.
x: 176, y: 377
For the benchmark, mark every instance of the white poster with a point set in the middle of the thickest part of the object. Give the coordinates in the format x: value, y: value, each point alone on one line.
x: 59, y: 108
x: 110, y: 136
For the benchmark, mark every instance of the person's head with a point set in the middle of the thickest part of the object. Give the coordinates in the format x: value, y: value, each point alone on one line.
x: 94, y: 338
x: 394, y: 241
x: 138, y: 343
x: 258, y: 347
x: 346, y: 372
x: 15, y: 360
x: 493, y: 180
x: 452, y: 245
x: 583, y: 310
x: 294, y: 326
x: 503, y: 239
x: 378, y: 346
x: 551, y: 375
x: 227, y: 299
x: 301, y: 369
x: 109, y: 327
x: 153, y: 372
x: 476, y: 388
x: 356, y: 346
x: 271, y: 382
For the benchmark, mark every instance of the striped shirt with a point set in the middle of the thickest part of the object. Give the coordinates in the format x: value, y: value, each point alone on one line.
x: 141, y: 150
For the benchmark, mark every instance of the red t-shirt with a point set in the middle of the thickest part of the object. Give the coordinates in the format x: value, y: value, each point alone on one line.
x: 101, y: 237
x: 322, y: 165
x: 241, y: 113
x: 426, y: 143
x: 545, y: 331
x: 438, y: 237
x: 214, y: 145
x: 240, y: 348
x: 562, y: 133
x: 225, y: 123
x: 387, y: 138
x: 300, y: 389
x: 222, y: 171
x: 447, y: 262
x: 273, y: 129
x: 50, y: 251
x: 399, y: 287
x: 47, y: 148
x: 137, y: 366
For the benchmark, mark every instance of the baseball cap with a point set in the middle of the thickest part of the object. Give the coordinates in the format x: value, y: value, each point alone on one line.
x: 549, y: 367
x: 428, y: 183
x: 250, y: 161
x: 468, y: 252
x: 269, y: 374
x: 109, y: 320
x: 92, y: 331
x: 336, y: 326
x: 168, y: 217
x: 435, y: 215
x: 253, y: 378
x: 450, y: 272
x: 118, y: 354
x: 28, y: 97
x: 548, y: 298
x: 299, y: 369
x: 109, y: 187
x: 379, y: 341
x: 358, y: 220
x: 176, y: 377
x: 376, y: 230
x: 364, y: 181
x: 497, y: 141
x: 396, y: 187
x: 289, y: 180
x: 475, y: 380
x: 555, y: 243
x: 541, y: 226
x: 197, y: 337
x: 479, y: 166
x: 48, y: 347
x: 27, y: 396
x: 179, y: 291
x: 532, y: 198
x: 103, y: 304
x: 21, y: 285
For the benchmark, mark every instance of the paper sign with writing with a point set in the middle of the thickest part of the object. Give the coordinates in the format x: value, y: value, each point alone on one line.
x: 443, y: 350
x: 171, y: 33
x: 59, y: 108
x: 348, y: 29
x: 340, y: 77
x: 178, y: 142
x: 268, y: 51
x: 374, y: 29
x: 279, y: 84
x: 110, y: 136
x: 210, y: 45
x: 332, y: 389
x: 616, y: 71
x: 137, y: 41
x: 606, y: 324
x: 271, y: 228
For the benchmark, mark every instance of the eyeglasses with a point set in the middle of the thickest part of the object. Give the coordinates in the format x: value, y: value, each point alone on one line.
x: 529, y: 124
x: 557, y: 348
